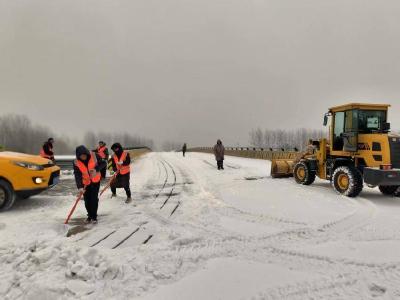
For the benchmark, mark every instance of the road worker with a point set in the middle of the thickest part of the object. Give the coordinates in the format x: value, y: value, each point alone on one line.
x: 121, y: 161
x: 102, y: 151
x: 87, y: 170
x: 184, y: 149
x: 219, y: 152
x: 47, y: 149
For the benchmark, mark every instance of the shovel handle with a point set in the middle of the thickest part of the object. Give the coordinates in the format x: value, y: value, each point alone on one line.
x: 109, y: 183
x: 74, y: 207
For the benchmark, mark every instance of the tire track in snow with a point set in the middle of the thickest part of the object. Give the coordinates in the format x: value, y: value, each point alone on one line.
x: 173, y: 185
x: 165, y: 181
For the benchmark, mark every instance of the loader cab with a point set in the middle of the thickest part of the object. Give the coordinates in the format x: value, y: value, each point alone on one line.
x: 350, y: 121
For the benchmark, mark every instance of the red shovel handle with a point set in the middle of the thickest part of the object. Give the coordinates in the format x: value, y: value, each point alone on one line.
x: 74, y: 207
x: 109, y: 183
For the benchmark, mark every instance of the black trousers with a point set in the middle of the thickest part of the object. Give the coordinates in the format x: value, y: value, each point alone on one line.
x: 220, y: 164
x: 91, y: 197
x: 103, y: 173
x: 183, y: 153
x: 122, y: 181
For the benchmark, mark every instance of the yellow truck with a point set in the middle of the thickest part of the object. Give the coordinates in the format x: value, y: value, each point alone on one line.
x: 23, y: 175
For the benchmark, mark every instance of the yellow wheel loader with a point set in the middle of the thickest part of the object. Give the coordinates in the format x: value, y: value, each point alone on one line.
x: 360, y: 149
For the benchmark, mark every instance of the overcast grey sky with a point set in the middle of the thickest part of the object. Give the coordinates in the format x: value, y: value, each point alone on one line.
x: 199, y: 70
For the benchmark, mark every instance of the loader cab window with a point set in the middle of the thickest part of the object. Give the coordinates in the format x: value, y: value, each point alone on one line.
x: 338, y: 131
x: 345, y: 130
x: 370, y: 121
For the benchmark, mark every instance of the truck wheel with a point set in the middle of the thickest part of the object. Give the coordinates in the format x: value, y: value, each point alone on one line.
x: 348, y: 181
x: 388, y: 189
x: 302, y: 174
x: 7, y: 195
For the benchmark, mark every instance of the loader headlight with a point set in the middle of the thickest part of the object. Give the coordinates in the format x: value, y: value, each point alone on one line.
x: 29, y: 166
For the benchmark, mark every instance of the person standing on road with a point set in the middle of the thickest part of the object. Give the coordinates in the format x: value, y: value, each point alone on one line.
x: 219, y: 152
x: 87, y: 168
x: 121, y: 161
x: 184, y: 148
x: 47, y: 149
x: 102, y: 151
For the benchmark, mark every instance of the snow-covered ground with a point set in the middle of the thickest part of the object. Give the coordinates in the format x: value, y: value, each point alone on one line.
x: 193, y: 232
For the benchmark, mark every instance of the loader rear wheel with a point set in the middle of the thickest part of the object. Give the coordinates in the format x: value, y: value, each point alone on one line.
x: 7, y: 195
x: 303, y: 174
x: 347, y: 181
x: 388, y: 189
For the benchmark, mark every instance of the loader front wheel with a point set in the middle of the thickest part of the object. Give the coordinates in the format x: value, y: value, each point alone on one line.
x: 303, y: 174
x: 347, y: 181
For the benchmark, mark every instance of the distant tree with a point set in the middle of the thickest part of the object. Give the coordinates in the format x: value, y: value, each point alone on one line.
x: 171, y: 146
x: 257, y: 138
x: 91, y: 139
x: 284, y: 139
x: 18, y: 133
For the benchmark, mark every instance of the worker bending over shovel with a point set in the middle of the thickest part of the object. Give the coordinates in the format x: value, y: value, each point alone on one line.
x: 87, y: 170
x: 121, y: 161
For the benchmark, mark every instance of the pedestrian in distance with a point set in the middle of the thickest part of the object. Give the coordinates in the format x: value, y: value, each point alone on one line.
x: 184, y: 148
x: 47, y: 149
x: 87, y: 170
x: 121, y: 161
x: 219, y: 152
x: 102, y: 151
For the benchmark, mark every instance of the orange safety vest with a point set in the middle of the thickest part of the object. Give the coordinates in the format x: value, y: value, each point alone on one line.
x: 44, y: 154
x: 100, y: 151
x: 122, y: 169
x: 86, y: 180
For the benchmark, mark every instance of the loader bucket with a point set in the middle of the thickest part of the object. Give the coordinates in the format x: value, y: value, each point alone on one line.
x: 281, y: 168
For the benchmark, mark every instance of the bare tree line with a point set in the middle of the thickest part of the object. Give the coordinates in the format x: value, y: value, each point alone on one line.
x: 284, y: 139
x: 171, y: 146
x: 91, y: 139
x: 18, y: 133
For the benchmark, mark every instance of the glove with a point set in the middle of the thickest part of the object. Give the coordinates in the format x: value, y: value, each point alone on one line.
x: 92, y: 173
x: 120, y: 162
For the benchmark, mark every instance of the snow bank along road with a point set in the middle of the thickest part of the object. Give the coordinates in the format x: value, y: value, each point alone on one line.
x: 193, y: 232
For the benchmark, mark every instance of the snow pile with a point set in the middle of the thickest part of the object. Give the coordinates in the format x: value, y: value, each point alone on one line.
x: 53, y: 268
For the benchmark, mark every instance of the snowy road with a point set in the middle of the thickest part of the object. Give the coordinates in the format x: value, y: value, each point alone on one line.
x: 193, y: 232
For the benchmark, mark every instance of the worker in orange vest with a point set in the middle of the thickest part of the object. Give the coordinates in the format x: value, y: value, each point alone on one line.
x: 87, y: 169
x: 47, y: 149
x: 102, y: 151
x: 121, y: 161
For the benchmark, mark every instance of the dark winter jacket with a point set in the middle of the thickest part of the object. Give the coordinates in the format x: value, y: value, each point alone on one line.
x: 219, y: 151
x: 47, y: 148
x: 101, y: 164
x: 184, y: 148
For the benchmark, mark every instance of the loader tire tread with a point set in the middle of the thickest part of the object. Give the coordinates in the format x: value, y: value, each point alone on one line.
x: 355, y: 181
x: 309, y: 176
